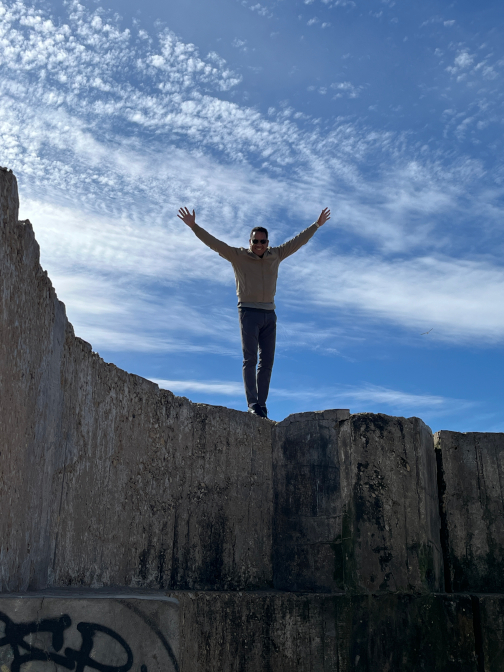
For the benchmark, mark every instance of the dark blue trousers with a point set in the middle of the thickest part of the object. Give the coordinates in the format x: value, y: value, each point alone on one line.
x: 258, y: 335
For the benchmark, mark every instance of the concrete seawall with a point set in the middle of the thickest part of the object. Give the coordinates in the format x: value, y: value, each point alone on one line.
x: 304, y: 544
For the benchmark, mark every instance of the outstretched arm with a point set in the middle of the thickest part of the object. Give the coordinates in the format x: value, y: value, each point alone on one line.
x: 302, y: 238
x: 218, y: 246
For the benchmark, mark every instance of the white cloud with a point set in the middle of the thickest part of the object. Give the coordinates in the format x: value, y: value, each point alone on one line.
x: 212, y: 387
x: 345, y: 88
x: 464, y: 59
x: 378, y: 397
x: 455, y: 297
x: 261, y: 10
x: 239, y: 44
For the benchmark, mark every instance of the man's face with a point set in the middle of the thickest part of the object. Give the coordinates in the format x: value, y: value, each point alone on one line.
x: 258, y: 247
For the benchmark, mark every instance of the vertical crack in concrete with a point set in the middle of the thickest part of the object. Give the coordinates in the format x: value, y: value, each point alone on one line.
x: 445, y: 545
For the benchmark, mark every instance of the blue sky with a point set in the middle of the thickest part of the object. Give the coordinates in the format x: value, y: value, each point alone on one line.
x: 114, y: 114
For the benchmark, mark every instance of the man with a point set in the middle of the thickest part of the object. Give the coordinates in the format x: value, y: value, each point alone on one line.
x: 256, y: 272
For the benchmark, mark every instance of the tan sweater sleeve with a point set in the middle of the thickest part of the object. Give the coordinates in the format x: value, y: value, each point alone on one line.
x: 295, y: 243
x: 214, y: 244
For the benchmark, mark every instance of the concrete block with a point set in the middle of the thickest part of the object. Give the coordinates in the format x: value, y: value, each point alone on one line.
x: 308, y: 500
x: 256, y: 632
x: 424, y: 633
x: 491, y: 631
x: 184, y: 490
x: 391, y: 533
x: 471, y: 467
x: 282, y: 632
x: 114, y: 633
x: 356, y: 504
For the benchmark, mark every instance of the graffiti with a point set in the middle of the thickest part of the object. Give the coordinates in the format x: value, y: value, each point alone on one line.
x: 71, y: 659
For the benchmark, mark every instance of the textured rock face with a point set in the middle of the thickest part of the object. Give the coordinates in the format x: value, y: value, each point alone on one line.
x: 472, y: 477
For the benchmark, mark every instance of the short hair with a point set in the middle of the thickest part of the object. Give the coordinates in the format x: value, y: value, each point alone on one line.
x: 257, y: 229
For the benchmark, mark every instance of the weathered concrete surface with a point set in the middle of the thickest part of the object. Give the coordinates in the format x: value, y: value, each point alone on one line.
x: 282, y: 632
x: 394, y: 520
x: 104, y: 478
x: 472, y: 473
x: 491, y: 621
x: 107, y: 480
x: 309, y: 500
x: 356, y: 504
x: 32, y: 333
x: 121, y: 632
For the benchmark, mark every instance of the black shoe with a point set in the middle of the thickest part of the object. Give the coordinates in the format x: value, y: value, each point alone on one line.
x: 255, y: 409
x: 265, y: 411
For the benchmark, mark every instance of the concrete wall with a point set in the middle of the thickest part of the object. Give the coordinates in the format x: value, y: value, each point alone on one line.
x: 94, y: 460
x: 106, y: 480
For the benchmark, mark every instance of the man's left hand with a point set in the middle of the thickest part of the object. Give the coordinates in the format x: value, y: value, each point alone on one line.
x: 324, y: 216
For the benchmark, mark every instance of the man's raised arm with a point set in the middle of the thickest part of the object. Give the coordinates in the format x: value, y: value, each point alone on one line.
x: 302, y: 238
x: 225, y: 251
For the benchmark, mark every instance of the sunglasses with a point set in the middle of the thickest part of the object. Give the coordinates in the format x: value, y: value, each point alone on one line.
x: 262, y: 241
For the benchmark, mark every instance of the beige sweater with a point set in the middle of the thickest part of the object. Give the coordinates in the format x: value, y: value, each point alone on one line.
x: 256, y: 277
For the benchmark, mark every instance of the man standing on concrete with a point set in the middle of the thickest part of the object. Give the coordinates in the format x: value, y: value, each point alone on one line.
x: 256, y: 272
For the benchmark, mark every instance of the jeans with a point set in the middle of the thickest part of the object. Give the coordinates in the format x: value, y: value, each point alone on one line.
x: 258, y: 332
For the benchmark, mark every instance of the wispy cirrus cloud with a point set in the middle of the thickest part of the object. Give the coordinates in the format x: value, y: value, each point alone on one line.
x: 111, y: 130
x: 456, y: 298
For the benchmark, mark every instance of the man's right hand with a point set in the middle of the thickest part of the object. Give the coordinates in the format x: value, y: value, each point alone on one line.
x: 186, y: 217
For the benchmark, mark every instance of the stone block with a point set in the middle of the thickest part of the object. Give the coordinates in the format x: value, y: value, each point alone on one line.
x: 114, y: 633
x: 356, y: 504
x: 308, y: 500
x: 282, y: 632
x: 491, y: 630
x: 256, y: 632
x: 424, y: 633
x: 183, y: 490
x: 471, y: 467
